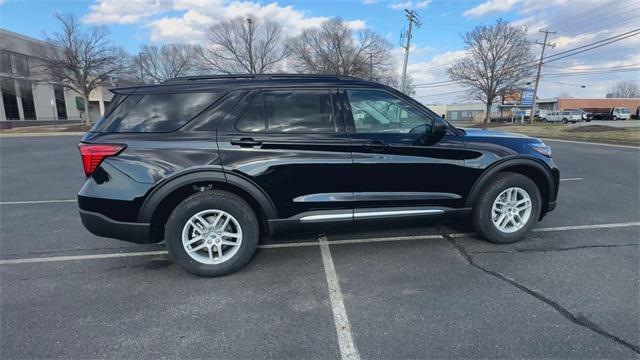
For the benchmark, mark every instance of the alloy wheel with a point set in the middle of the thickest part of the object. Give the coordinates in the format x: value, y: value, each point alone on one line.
x: 212, y: 237
x: 511, y: 210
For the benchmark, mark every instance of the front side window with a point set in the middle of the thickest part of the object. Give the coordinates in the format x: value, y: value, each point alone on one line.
x: 380, y: 112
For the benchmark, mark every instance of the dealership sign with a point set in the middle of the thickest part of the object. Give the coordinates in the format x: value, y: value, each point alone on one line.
x: 518, y: 97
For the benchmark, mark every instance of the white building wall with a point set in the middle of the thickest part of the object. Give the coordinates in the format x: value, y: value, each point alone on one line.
x: 43, y: 94
x: 70, y: 98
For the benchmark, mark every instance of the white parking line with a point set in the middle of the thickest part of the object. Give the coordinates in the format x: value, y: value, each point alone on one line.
x: 571, y: 179
x: 81, y: 257
x: 310, y: 243
x: 348, y: 348
x: 593, y: 143
x: 36, y: 202
x: 584, y: 227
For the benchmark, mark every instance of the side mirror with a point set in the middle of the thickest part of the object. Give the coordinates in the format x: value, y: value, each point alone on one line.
x: 439, y: 128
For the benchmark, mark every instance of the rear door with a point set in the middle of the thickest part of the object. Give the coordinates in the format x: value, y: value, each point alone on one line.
x: 292, y: 143
x: 396, y: 165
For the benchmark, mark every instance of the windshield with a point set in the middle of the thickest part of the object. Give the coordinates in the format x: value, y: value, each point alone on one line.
x: 624, y: 111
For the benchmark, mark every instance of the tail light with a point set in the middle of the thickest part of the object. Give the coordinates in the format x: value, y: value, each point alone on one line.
x: 93, y: 154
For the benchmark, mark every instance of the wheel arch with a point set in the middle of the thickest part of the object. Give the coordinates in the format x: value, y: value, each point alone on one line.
x: 532, y: 168
x: 164, y: 197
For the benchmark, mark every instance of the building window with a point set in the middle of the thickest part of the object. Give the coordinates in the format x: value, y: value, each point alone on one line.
x: 61, y: 105
x: 28, y: 105
x: 10, y: 99
x: 22, y: 65
x: 5, y: 63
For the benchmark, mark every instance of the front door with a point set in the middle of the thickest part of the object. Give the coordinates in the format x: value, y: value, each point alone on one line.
x: 399, y: 167
x: 292, y: 143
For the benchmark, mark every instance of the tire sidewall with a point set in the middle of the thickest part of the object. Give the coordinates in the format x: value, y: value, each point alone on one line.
x: 482, y: 212
x: 211, y: 200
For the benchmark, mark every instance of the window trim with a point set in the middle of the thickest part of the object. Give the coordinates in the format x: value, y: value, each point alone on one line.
x: 348, y: 116
x: 332, y: 91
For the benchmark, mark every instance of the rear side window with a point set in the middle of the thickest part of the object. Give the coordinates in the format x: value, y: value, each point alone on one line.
x: 290, y: 111
x: 154, y: 112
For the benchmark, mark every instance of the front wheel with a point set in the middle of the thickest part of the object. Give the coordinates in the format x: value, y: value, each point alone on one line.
x: 212, y: 233
x: 507, y: 208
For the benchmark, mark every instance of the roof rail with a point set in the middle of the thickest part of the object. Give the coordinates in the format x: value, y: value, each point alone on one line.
x: 184, y: 79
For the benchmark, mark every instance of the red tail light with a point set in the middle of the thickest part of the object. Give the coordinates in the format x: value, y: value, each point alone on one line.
x: 93, y: 154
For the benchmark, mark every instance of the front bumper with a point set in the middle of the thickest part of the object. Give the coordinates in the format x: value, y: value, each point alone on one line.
x: 101, y: 225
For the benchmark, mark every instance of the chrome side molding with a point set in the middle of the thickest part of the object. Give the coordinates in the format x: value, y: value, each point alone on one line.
x: 370, y: 214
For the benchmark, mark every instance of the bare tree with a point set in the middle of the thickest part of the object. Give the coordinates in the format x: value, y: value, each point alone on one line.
x: 156, y: 64
x: 244, y: 46
x: 499, y: 59
x: 624, y: 89
x: 80, y: 59
x: 335, y: 48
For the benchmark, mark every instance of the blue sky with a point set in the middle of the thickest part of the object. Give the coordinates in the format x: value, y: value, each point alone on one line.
x: 436, y: 44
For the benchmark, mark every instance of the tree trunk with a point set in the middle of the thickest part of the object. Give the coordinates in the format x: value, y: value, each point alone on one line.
x: 487, y: 117
x: 87, y: 121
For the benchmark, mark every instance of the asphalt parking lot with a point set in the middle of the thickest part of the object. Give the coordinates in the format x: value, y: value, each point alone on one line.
x: 570, y: 290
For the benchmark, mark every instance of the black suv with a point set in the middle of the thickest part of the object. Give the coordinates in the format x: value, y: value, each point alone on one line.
x: 208, y: 164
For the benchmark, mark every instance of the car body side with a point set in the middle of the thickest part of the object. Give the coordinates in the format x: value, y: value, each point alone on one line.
x: 293, y: 177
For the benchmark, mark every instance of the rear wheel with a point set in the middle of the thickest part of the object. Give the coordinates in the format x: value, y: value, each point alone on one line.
x: 212, y: 233
x: 507, y: 208
x: 564, y: 121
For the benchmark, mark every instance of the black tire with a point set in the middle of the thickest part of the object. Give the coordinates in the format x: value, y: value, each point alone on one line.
x: 564, y: 121
x: 218, y: 200
x: 482, y: 209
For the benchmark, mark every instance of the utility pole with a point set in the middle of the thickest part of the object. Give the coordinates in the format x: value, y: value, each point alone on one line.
x: 370, y: 66
x: 252, y: 69
x: 141, y: 72
x: 412, y: 17
x: 535, y: 89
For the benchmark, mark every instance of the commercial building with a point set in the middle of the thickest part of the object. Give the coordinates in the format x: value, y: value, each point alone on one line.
x: 559, y: 104
x: 26, y: 97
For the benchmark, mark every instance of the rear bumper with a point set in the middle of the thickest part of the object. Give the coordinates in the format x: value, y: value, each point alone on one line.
x: 101, y: 225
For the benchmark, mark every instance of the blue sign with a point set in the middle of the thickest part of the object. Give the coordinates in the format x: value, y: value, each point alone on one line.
x: 527, y: 97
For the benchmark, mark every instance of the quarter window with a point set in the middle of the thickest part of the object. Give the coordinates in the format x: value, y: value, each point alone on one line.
x: 380, y: 112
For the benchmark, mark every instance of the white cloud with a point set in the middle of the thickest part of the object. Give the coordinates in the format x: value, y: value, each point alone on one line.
x: 422, y: 4
x: 185, y: 21
x: 125, y: 12
x: 489, y: 7
x: 401, y: 5
x: 369, y: 2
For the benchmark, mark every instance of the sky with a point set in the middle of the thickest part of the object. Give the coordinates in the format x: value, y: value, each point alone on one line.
x: 435, y: 44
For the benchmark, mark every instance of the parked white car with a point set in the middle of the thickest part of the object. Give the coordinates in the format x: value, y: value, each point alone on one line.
x: 572, y: 116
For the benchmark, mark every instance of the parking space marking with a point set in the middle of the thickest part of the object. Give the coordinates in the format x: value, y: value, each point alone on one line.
x: 37, y: 202
x: 348, y: 349
x: 571, y: 179
x: 81, y: 257
x: 310, y: 243
x: 584, y: 227
x: 593, y: 143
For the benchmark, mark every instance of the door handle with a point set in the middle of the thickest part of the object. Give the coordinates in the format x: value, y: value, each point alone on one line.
x: 246, y: 142
x: 376, y: 146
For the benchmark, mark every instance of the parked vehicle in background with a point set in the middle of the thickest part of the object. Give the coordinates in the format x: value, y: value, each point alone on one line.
x: 209, y: 164
x: 636, y: 114
x: 615, y: 113
x: 566, y: 116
